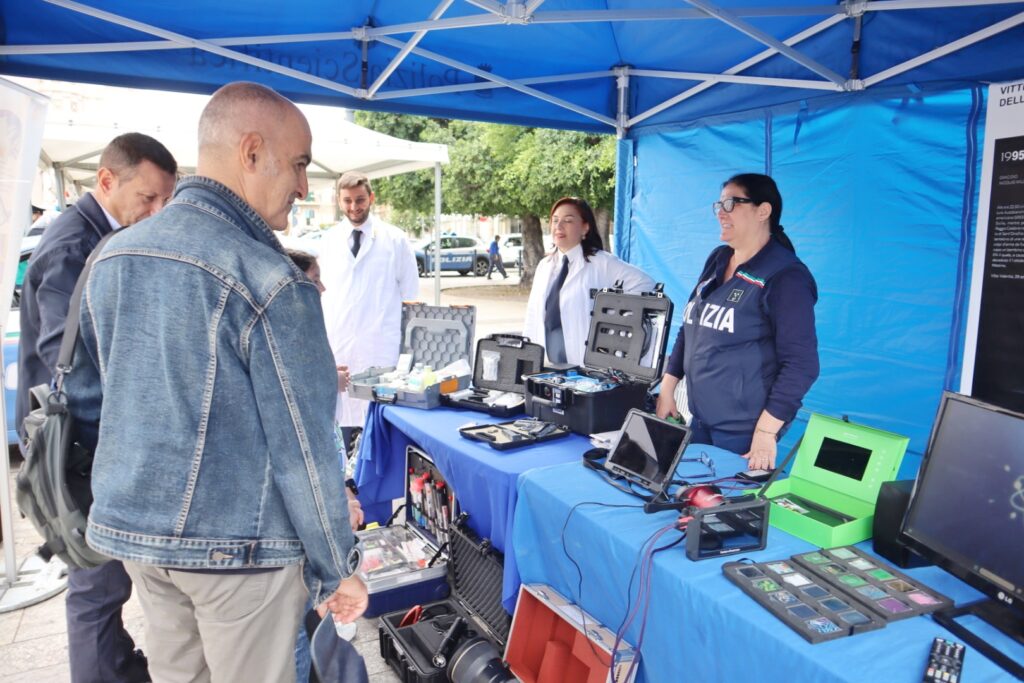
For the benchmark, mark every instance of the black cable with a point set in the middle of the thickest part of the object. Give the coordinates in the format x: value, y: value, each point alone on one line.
x: 579, y: 570
x: 646, y: 564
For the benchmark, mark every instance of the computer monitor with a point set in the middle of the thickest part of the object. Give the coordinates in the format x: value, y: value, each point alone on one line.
x: 966, y: 513
x: 647, y: 450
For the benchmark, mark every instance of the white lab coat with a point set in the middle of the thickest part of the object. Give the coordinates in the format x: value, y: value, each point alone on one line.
x: 362, y: 300
x: 601, y: 271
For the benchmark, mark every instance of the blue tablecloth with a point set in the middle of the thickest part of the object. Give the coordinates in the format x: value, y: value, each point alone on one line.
x: 700, y: 626
x: 484, y: 479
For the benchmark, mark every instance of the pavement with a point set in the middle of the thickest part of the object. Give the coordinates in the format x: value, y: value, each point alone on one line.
x: 33, y: 640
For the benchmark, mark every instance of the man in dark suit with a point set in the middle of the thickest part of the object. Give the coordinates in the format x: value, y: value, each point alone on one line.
x: 135, y: 179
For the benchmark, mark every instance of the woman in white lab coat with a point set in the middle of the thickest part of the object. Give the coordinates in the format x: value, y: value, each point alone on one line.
x: 558, y: 312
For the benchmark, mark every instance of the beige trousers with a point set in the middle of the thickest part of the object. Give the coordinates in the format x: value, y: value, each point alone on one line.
x: 220, y: 628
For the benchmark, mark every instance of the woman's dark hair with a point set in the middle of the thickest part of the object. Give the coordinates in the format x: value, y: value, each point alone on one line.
x: 761, y: 189
x: 302, y: 259
x: 591, y: 241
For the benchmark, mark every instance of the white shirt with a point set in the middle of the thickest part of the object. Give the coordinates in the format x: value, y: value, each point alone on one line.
x: 601, y: 271
x: 114, y: 225
x: 362, y: 300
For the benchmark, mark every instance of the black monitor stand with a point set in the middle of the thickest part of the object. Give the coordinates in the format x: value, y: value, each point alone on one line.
x: 998, y: 616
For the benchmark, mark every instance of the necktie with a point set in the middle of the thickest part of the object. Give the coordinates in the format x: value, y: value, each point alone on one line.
x: 357, y: 236
x: 554, y: 340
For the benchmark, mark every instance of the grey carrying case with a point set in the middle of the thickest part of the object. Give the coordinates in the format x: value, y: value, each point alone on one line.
x: 53, y: 487
x: 434, y: 336
x: 502, y: 361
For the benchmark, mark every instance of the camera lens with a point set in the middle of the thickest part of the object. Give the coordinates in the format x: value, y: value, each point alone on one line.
x: 477, y: 661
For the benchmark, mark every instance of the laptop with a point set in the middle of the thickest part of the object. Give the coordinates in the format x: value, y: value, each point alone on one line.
x: 647, y: 450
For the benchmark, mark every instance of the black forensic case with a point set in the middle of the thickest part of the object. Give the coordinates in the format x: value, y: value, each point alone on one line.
x: 516, y: 356
x: 625, y: 350
x: 475, y: 576
x: 404, y: 562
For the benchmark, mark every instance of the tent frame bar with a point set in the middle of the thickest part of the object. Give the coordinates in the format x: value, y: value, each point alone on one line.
x: 488, y: 20
x: 404, y: 52
x: 742, y: 66
x: 728, y: 78
x: 185, y: 41
x: 959, y: 44
x: 480, y: 73
x: 469, y: 87
x: 520, y: 12
x: 730, y: 19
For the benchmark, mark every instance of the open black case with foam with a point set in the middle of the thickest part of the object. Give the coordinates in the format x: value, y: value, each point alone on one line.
x: 502, y: 361
x: 405, y: 562
x: 624, y: 356
x: 475, y: 575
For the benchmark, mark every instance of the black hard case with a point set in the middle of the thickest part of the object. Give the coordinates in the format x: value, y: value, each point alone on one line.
x: 486, y: 434
x: 398, y: 587
x: 475, y: 576
x: 518, y: 356
x: 615, y: 347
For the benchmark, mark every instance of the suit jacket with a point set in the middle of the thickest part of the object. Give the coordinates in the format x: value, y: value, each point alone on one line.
x: 49, y: 281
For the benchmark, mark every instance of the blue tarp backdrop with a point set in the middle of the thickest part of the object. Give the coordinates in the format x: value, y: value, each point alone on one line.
x: 879, y: 196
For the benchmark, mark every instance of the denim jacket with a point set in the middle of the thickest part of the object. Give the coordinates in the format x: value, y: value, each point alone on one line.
x: 205, y: 382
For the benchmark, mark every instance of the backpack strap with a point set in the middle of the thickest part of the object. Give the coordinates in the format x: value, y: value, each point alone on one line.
x: 71, y: 323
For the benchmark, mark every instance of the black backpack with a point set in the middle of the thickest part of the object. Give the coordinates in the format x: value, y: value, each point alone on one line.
x: 54, y: 484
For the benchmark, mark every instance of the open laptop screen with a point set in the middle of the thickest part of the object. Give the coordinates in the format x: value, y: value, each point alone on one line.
x: 647, y: 450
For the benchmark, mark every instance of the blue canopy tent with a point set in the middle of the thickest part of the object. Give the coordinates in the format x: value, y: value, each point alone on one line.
x: 869, y: 114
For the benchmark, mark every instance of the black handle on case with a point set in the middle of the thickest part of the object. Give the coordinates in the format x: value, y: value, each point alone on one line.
x: 514, y: 341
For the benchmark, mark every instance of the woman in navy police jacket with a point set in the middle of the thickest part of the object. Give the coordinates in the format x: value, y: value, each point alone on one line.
x: 748, y: 348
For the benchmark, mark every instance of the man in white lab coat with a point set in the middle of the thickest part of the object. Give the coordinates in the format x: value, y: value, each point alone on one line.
x: 368, y: 269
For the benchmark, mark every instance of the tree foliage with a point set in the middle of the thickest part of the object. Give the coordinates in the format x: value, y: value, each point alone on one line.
x: 498, y: 169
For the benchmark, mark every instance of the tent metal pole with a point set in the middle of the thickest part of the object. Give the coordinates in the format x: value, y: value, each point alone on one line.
x: 890, y: 5
x: 185, y: 41
x: 742, y: 66
x: 82, y: 157
x: 752, y: 80
x: 674, y: 14
x: 583, y: 111
x: 437, y: 233
x: 622, y: 116
x: 468, y: 87
x: 532, y: 6
x: 404, y: 52
x: 760, y: 36
x: 491, y: 6
x: 6, y: 505
x: 946, y: 49
x: 58, y: 181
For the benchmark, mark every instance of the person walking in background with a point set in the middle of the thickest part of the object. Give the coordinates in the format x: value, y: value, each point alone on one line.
x: 134, y: 180
x: 495, y: 256
x: 558, y: 310
x: 215, y: 476
x: 748, y: 365
x: 368, y: 269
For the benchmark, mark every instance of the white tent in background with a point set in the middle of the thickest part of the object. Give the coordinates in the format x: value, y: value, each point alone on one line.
x: 82, y: 119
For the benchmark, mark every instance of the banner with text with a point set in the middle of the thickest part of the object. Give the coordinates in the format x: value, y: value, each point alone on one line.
x: 993, y: 367
x: 22, y: 113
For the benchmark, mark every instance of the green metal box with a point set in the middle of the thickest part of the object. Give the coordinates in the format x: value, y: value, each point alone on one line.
x: 829, y: 497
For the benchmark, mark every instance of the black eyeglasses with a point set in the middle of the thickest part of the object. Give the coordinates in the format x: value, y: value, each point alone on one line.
x: 729, y: 204
x: 705, y: 460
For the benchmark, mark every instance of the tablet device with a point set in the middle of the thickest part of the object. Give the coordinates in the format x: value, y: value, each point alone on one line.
x: 647, y: 450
